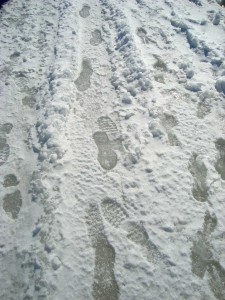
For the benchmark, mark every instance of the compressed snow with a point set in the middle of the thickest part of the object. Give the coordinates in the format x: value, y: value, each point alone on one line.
x: 112, y: 150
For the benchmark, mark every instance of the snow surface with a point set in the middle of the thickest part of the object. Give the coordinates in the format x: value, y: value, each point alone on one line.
x: 112, y: 150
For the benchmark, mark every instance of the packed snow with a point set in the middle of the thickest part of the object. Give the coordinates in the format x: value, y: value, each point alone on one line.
x: 112, y: 150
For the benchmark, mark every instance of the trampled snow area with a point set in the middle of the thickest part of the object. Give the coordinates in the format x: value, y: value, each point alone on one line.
x: 112, y: 150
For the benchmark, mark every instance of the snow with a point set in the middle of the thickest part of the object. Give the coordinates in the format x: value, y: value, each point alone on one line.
x: 112, y: 150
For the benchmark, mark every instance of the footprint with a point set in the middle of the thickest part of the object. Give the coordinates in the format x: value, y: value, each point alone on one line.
x: 220, y: 163
x: 138, y: 235
x: 169, y: 122
x: 199, y: 172
x: 96, y: 38
x: 83, y: 82
x: 29, y: 101
x: 159, y: 78
x: 142, y: 33
x: 12, y: 204
x: 160, y: 64
x: 104, y: 283
x: 201, y: 254
x: 6, y: 128
x: 106, y: 156
x: 4, y: 151
x: 202, y: 258
x: 217, y: 279
x: 202, y: 110
x: 210, y: 223
x: 115, y: 214
x: 10, y: 180
x: 85, y: 11
x: 109, y: 127
x: 107, y: 140
x: 173, y: 140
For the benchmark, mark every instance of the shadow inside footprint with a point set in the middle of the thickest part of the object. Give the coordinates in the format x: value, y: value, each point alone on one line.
x: 220, y: 163
x: 96, y: 38
x: 199, y: 173
x: 4, y: 150
x: 12, y: 204
x: 85, y: 11
x: 106, y: 156
x: 83, y: 82
x: 104, y: 283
